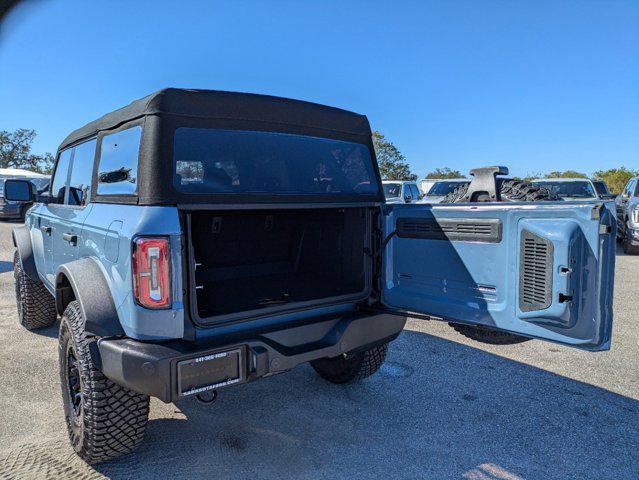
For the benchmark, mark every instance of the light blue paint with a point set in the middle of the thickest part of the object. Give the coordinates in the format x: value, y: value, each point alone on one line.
x: 475, y: 282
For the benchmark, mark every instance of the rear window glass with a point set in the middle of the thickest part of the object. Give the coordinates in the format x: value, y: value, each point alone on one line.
x: 569, y: 189
x: 238, y: 161
x: 118, y: 167
x: 444, y: 188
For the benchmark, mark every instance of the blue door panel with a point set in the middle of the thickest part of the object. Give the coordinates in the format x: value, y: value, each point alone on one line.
x: 548, y: 274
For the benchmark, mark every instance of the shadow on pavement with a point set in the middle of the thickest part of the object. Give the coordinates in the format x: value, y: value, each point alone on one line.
x: 437, y: 409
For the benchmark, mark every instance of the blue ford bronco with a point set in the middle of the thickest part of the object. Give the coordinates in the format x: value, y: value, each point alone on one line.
x: 194, y: 240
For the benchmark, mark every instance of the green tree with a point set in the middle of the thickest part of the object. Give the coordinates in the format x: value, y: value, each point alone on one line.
x: 392, y: 163
x: 616, y: 178
x: 15, y: 152
x: 444, y: 173
x: 566, y: 174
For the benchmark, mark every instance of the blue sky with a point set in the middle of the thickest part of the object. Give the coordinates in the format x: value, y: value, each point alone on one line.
x: 535, y: 85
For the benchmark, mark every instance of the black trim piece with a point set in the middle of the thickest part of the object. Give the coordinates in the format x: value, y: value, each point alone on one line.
x: 22, y: 241
x: 453, y: 229
x: 535, y: 272
x: 151, y: 368
x: 83, y: 280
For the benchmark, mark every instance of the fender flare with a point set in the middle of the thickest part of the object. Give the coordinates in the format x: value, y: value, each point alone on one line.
x: 22, y: 242
x: 84, y: 281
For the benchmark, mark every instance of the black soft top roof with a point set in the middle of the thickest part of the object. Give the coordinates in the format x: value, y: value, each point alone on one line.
x: 215, y: 104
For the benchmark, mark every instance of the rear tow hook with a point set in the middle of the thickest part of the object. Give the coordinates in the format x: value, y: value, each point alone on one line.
x: 207, y: 398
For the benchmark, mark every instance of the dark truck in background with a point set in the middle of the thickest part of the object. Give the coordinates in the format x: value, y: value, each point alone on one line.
x: 195, y: 240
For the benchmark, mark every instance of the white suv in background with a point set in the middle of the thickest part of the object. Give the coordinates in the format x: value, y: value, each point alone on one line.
x: 401, y: 191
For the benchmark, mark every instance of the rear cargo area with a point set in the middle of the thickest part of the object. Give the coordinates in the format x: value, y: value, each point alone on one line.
x: 248, y: 260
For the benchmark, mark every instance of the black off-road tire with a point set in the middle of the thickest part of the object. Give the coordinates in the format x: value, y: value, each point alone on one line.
x: 628, y: 248
x: 349, y: 368
x: 106, y: 420
x: 510, y: 191
x: 487, y: 335
x: 36, y: 306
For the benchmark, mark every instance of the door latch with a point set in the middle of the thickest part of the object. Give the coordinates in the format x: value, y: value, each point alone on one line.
x: 71, y: 238
x: 46, y: 229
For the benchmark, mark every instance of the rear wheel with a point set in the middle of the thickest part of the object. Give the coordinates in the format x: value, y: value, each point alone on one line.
x: 36, y: 306
x: 510, y: 191
x: 104, y: 420
x: 349, y: 367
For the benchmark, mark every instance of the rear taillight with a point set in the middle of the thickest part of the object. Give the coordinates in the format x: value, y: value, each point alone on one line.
x: 151, y: 272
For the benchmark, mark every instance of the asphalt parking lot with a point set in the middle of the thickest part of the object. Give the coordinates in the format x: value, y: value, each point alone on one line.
x: 442, y: 407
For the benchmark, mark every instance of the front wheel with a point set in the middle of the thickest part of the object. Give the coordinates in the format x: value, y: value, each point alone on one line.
x: 351, y: 367
x: 104, y: 420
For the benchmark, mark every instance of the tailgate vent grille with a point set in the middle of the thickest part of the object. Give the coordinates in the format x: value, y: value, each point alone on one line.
x: 535, y: 272
x: 472, y: 230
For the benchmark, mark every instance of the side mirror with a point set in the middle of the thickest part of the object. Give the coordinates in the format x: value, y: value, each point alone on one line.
x: 19, y: 190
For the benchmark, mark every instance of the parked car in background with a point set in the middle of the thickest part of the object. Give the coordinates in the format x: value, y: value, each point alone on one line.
x: 441, y: 188
x: 627, y: 204
x: 397, y: 191
x: 12, y: 209
x: 570, y: 188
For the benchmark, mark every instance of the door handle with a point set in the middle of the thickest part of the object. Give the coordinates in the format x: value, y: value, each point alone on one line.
x: 72, y: 238
x: 46, y: 229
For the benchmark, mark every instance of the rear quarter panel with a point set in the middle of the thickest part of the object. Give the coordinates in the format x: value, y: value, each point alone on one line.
x: 107, y: 237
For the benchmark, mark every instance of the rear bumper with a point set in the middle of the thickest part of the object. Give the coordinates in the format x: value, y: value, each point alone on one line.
x: 151, y: 368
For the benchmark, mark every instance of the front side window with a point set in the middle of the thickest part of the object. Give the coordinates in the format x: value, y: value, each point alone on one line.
x: 81, y: 173
x: 58, y: 186
x: 239, y: 161
x: 118, y: 165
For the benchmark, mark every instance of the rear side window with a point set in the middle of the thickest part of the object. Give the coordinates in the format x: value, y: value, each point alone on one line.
x: 81, y: 173
x: 415, y: 191
x: 118, y: 166
x: 59, y: 183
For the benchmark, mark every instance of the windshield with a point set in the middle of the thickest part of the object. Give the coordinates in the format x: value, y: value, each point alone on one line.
x: 601, y: 187
x: 569, y: 189
x: 444, y: 188
x: 392, y: 190
x: 238, y: 161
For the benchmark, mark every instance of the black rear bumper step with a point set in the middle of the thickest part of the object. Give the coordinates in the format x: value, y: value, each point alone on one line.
x: 151, y: 368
